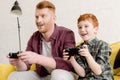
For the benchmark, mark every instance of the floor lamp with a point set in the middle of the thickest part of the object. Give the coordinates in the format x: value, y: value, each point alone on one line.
x: 17, y: 11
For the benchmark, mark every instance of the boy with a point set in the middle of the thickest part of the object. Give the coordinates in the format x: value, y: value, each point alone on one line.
x: 92, y: 60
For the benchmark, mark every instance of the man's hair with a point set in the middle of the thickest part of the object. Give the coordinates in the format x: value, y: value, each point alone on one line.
x: 90, y: 17
x: 46, y: 4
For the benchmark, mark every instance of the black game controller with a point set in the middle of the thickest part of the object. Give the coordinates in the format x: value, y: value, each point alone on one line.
x: 14, y: 55
x: 72, y: 51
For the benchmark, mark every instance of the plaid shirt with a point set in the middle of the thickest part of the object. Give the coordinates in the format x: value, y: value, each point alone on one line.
x: 100, y: 51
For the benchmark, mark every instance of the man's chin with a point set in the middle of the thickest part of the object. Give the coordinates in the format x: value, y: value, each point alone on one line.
x: 41, y: 31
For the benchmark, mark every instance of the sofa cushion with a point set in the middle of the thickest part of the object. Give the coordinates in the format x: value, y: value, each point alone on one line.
x: 117, y: 60
x: 116, y: 77
x: 5, y: 70
x: 118, y: 74
x: 115, y: 49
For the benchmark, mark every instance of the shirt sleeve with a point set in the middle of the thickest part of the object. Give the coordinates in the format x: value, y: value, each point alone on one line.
x: 68, y: 40
x: 103, y: 57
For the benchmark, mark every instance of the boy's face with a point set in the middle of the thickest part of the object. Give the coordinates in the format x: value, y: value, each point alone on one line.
x: 86, y: 30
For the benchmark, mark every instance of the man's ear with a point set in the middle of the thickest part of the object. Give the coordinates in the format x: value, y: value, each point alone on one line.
x: 54, y: 17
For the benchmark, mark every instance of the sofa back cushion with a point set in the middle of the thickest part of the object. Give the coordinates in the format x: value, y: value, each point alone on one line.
x: 117, y: 60
x: 114, y: 57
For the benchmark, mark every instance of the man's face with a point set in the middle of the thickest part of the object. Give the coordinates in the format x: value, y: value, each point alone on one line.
x: 45, y: 19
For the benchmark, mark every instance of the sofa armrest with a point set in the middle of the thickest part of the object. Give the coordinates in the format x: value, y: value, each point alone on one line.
x: 6, y: 69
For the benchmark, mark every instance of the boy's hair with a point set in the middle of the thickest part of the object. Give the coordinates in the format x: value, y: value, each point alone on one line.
x: 90, y: 17
x: 45, y: 4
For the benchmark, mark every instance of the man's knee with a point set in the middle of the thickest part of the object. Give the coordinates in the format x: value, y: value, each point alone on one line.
x: 59, y: 74
x: 23, y: 75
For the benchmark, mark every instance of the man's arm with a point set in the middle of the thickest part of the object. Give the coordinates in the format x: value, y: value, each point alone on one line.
x: 34, y: 58
x: 19, y: 65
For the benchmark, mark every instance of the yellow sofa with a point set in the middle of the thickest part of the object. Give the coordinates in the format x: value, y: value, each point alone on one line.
x: 115, y: 49
x: 6, y: 69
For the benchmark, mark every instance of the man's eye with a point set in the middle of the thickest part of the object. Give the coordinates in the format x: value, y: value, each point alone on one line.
x: 36, y: 17
x: 79, y: 27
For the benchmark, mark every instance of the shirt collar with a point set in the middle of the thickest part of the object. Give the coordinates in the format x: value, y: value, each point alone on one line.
x: 53, y: 36
x: 92, y: 42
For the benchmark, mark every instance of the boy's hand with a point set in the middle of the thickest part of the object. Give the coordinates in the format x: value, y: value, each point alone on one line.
x: 65, y: 55
x: 84, y: 51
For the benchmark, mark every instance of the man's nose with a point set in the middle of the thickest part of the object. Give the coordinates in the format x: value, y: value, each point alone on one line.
x: 39, y: 19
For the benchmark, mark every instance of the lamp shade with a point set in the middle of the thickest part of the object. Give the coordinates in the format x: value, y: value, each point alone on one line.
x: 16, y: 9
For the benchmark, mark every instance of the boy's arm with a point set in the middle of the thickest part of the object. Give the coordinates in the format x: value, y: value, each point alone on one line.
x: 78, y: 68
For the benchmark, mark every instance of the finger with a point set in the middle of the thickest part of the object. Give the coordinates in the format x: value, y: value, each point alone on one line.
x: 81, y: 50
x: 22, y: 53
x: 7, y: 56
x: 13, y: 58
x: 23, y: 57
x: 65, y: 56
x: 84, y: 46
x: 25, y: 60
x: 65, y: 53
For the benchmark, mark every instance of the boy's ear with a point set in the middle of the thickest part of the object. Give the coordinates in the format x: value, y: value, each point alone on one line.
x: 96, y: 29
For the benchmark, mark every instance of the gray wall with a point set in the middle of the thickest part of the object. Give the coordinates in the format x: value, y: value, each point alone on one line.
x: 107, y: 12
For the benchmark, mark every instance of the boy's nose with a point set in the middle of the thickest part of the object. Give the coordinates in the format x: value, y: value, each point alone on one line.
x: 82, y: 29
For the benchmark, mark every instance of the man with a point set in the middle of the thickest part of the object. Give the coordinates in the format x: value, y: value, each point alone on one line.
x: 45, y: 49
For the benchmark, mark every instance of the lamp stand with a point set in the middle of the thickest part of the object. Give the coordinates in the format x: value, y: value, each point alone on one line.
x: 19, y: 34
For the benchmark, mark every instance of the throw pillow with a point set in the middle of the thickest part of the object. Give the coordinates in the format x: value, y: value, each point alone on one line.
x: 117, y: 60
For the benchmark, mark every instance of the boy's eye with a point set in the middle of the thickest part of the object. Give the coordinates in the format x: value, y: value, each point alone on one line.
x: 43, y: 16
x: 86, y: 26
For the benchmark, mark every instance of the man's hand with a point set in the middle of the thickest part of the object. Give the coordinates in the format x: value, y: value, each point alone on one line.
x: 13, y: 61
x: 29, y: 57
